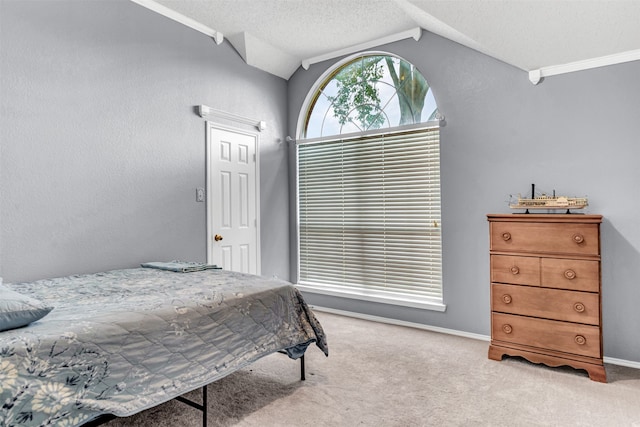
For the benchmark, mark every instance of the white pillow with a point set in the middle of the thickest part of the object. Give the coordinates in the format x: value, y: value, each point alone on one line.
x: 17, y: 310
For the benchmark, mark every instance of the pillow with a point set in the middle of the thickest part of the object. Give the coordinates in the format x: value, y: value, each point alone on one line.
x: 17, y: 310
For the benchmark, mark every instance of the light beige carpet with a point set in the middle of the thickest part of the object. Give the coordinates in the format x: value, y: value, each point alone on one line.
x: 383, y: 375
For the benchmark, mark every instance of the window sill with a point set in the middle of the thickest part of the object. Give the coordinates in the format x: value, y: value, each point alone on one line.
x: 379, y: 297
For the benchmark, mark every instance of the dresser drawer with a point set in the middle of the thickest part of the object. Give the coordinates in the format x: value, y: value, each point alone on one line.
x: 579, y: 275
x: 571, y: 306
x: 518, y: 270
x: 566, y: 337
x: 550, y: 237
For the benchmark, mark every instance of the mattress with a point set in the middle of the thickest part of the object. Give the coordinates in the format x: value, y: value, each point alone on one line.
x: 123, y: 341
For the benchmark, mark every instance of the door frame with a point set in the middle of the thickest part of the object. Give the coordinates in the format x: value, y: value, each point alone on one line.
x: 210, y: 126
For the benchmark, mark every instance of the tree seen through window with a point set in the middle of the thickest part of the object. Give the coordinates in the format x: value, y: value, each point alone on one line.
x: 370, y: 92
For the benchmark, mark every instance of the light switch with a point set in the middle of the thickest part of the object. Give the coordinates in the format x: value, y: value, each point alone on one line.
x: 199, y: 194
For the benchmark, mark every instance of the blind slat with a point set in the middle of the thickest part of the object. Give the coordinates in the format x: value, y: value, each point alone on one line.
x: 369, y: 213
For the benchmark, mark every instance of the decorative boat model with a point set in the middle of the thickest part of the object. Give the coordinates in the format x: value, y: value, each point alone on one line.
x: 549, y: 202
x: 545, y: 201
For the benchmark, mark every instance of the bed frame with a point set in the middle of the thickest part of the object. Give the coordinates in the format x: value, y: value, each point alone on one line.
x: 102, y: 419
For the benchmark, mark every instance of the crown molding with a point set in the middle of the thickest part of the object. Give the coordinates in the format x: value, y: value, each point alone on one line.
x: 178, y: 17
x: 414, y: 33
x: 535, y: 76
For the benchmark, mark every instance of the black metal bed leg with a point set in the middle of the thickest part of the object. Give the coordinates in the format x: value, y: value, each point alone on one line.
x: 302, y: 375
x: 196, y: 405
x: 204, y: 406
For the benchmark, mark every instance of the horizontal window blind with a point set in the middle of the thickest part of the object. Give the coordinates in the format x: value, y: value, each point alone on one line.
x: 369, y: 214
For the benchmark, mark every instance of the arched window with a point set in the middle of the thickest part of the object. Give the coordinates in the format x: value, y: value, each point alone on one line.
x: 369, y: 185
x: 370, y: 92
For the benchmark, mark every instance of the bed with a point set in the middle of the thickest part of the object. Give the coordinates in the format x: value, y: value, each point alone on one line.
x: 123, y: 341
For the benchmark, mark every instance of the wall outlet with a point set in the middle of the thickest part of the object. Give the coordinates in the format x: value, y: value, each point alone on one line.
x: 199, y: 194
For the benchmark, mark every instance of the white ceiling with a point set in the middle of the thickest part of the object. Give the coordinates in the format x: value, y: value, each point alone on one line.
x: 549, y: 35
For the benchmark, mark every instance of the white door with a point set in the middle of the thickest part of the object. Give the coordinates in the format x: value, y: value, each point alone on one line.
x: 233, y: 239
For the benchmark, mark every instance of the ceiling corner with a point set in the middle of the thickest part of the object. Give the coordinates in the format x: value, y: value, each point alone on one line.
x: 264, y: 56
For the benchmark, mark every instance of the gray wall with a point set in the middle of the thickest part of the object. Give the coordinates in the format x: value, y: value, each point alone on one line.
x: 100, y: 147
x: 576, y: 133
x: 101, y: 152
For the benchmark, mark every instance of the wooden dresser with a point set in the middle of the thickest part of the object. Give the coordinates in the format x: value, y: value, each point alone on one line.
x: 545, y: 290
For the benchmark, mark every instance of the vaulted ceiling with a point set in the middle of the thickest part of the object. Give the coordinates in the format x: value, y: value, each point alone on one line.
x: 541, y: 37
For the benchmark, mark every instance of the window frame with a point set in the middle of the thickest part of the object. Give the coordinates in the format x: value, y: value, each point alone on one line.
x: 330, y: 290
x: 312, y: 96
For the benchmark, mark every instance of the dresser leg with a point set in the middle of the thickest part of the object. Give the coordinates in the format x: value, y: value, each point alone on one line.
x: 597, y: 373
x: 495, y: 353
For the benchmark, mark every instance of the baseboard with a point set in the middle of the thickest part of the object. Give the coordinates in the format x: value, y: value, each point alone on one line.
x: 610, y: 360
x: 402, y: 323
x: 621, y: 362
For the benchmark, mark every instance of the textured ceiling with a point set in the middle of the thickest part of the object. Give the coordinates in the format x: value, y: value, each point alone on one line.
x: 277, y: 35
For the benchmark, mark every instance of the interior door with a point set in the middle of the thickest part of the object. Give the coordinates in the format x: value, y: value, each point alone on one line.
x: 233, y: 238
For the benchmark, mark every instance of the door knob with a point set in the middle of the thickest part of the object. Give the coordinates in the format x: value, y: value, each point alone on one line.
x: 217, y: 237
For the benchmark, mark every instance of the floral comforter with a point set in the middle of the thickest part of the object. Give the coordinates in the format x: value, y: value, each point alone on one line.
x: 123, y: 341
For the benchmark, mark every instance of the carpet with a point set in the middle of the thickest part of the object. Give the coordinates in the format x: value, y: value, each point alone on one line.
x: 386, y: 375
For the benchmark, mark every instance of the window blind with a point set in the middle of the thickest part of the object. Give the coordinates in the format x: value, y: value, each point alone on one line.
x: 369, y: 215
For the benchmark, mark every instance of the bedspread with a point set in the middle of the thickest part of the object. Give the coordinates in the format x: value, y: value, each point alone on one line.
x: 123, y: 341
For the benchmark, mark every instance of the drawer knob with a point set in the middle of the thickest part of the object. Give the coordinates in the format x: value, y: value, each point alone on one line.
x: 506, y: 298
x: 580, y: 340
x: 506, y: 236
x: 507, y: 329
x: 579, y: 307
x: 514, y: 270
x: 578, y: 238
x: 570, y: 274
